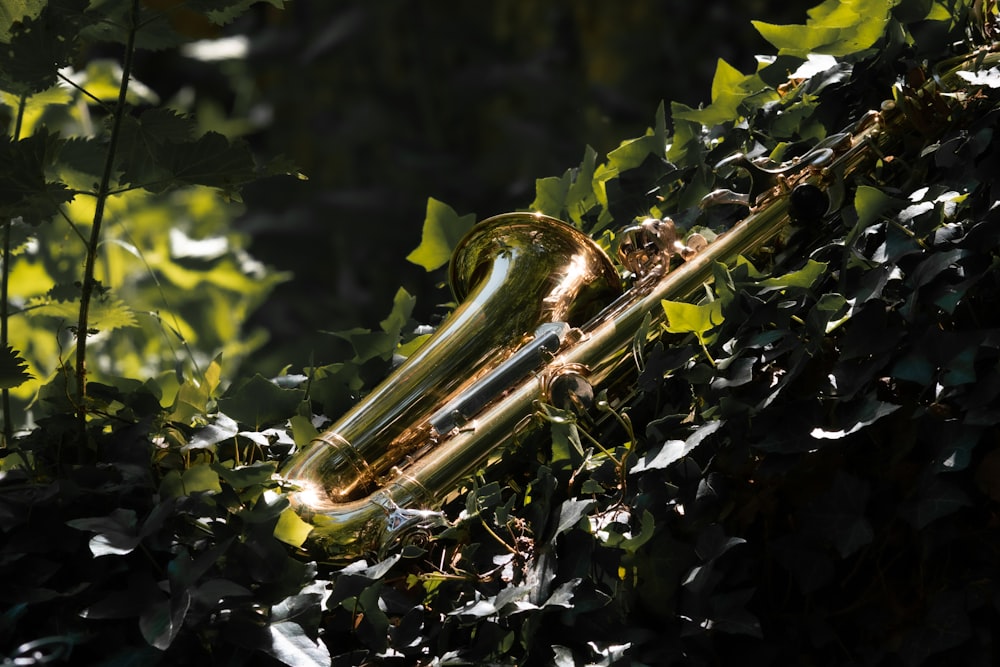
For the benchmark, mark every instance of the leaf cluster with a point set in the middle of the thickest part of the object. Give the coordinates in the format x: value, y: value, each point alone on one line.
x: 802, y: 469
x: 805, y: 472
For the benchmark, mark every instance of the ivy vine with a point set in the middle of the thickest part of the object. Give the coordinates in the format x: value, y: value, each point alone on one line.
x: 803, y: 469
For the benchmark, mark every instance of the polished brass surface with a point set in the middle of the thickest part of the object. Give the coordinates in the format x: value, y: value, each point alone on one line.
x: 374, y: 478
x: 512, y: 273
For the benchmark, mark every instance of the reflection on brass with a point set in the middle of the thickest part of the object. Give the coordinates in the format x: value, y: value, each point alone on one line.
x: 542, y: 318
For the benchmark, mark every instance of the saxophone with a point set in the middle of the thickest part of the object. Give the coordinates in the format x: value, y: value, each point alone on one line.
x: 543, y: 317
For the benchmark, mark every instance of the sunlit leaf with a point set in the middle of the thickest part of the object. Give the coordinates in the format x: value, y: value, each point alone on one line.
x: 222, y: 427
x: 632, y: 152
x: 443, y: 228
x: 291, y: 529
x: 116, y: 533
x: 550, y: 194
x: 685, y: 317
x: 804, y: 278
x: 107, y: 313
x: 836, y: 28
x: 674, y: 450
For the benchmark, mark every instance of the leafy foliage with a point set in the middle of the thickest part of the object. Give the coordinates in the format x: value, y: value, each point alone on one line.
x: 804, y: 470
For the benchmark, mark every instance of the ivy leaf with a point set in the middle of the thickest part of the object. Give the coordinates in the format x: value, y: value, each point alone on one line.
x: 443, y: 229
x: 632, y: 153
x: 161, y: 622
x: 13, y: 368
x: 291, y: 645
x: 258, y: 401
x: 116, y: 534
x: 804, y: 278
x: 868, y: 412
x: 201, y: 478
x: 245, y: 476
x: 698, y: 319
x: 870, y: 204
x: 729, y: 88
x: 291, y: 529
x: 675, y: 450
x: 836, y: 28
x: 550, y: 194
x: 570, y: 513
x: 220, y: 429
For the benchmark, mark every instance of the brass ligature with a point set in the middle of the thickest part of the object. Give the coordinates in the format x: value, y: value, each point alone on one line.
x: 542, y: 309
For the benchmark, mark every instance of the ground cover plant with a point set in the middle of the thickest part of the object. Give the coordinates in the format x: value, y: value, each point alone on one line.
x: 804, y: 469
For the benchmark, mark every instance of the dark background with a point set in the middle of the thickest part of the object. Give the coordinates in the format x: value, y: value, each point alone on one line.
x: 384, y: 103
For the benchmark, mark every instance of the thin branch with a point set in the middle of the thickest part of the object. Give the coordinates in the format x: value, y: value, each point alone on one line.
x: 8, y: 426
x: 89, y: 283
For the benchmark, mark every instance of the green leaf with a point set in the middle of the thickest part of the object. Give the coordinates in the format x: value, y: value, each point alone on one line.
x: 142, y: 141
x: 199, y: 479
x: 866, y: 414
x: 161, y: 623
x: 870, y: 203
x: 570, y: 513
x: 107, y: 313
x: 804, y: 278
x: 291, y: 529
x: 36, y: 47
x: 258, y: 402
x: 550, y: 194
x: 685, y: 317
x: 16, y: 11
x: 836, y: 28
x: 221, y: 428
x: 210, y: 160
x: 13, y: 368
x: 193, y: 400
x: 291, y: 645
x: 633, y: 152
x: 674, y: 450
x: 581, y: 198
x: 116, y: 533
x: 24, y: 192
x: 245, y: 476
x: 402, y: 307
x: 729, y: 88
x: 443, y: 229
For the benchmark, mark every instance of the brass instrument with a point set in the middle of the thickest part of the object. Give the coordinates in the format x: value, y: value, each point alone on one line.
x: 542, y: 312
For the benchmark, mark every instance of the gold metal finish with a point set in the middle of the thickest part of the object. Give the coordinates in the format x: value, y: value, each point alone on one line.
x: 541, y: 308
x: 513, y: 274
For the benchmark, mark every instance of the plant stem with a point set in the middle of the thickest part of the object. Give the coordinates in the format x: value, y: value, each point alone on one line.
x: 8, y: 426
x: 89, y: 284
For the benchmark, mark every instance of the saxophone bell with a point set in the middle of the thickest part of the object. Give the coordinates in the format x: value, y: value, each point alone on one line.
x: 525, y: 283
